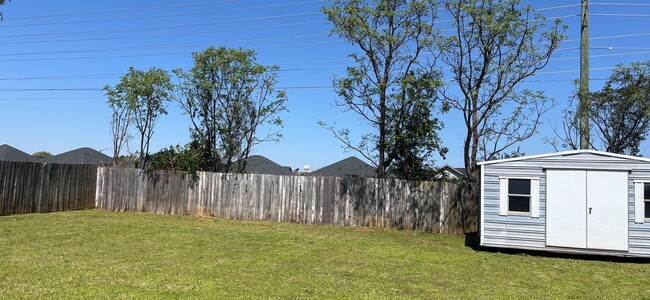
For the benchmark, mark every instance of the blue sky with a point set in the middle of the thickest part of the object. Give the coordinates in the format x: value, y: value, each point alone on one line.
x: 54, y: 59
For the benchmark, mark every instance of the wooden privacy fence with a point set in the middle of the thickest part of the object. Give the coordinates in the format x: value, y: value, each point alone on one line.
x: 345, y: 201
x: 32, y: 187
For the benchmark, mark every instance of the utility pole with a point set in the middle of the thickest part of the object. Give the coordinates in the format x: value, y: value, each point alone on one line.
x: 583, y: 94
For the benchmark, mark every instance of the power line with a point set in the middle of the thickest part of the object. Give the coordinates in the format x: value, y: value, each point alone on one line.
x: 53, y: 98
x: 618, y: 4
x: 556, y: 7
x: 165, y: 35
x: 122, y: 10
x: 163, y: 16
x: 620, y: 15
x: 175, y: 26
x: 161, y: 54
x: 168, y: 45
x: 572, y: 71
x: 178, y: 45
x: 116, y: 75
x: 602, y: 55
x: 612, y: 37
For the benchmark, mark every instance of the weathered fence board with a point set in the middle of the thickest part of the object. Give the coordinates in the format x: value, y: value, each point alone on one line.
x: 32, y: 187
x: 344, y: 201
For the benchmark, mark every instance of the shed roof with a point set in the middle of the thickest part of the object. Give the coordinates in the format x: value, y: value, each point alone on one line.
x: 349, y: 166
x: 80, y: 156
x: 565, y: 153
x: 257, y: 164
x: 8, y: 153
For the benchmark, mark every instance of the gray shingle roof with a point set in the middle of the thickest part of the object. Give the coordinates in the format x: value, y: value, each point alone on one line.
x: 257, y: 164
x: 350, y: 166
x: 80, y: 156
x: 9, y: 153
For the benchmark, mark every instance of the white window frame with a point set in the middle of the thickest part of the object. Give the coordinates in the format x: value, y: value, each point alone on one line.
x: 640, y: 202
x: 504, y: 196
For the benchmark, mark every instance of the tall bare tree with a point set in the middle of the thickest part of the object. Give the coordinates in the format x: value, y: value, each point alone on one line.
x: 391, y: 87
x: 120, y: 123
x: 494, y: 47
x: 140, y: 96
x: 229, y: 97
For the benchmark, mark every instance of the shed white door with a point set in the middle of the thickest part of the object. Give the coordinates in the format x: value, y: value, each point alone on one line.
x: 607, y: 210
x: 566, y: 214
x: 587, y: 209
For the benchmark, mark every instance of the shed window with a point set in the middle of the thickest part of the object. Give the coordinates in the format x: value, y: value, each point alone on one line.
x: 519, y: 195
x: 646, y: 200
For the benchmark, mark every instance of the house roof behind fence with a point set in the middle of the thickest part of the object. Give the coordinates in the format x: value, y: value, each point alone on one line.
x: 350, y: 166
x: 257, y: 164
x: 8, y: 153
x: 80, y: 156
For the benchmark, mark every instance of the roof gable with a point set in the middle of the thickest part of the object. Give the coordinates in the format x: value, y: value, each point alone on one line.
x: 8, y: 153
x: 80, y: 156
x: 350, y: 166
x: 257, y: 164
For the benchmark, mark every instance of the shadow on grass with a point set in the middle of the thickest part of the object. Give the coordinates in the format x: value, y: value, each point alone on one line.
x: 472, y: 240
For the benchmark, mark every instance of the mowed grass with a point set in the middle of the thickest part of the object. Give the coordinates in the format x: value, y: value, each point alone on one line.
x: 95, y: 254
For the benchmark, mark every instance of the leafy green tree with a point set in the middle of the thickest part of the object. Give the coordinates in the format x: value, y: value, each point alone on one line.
x: 42, y: 154
x: 228, y: 97
x: 176, y: 158
x: 391, y: 87
x: 495, y: 46
x: 619, y: 112
x: 145, y: 95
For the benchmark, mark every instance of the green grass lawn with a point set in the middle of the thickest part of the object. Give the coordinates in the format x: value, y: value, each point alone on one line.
x: 96, y: 254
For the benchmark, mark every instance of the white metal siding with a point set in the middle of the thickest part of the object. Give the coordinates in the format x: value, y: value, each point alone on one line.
x: 639, y: 234
x: 521, y: 231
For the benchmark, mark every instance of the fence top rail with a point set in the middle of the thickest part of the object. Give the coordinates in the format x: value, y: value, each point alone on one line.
x: 156, y: 173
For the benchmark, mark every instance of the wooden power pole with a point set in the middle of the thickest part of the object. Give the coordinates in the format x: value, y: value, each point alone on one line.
x: 583, y: 94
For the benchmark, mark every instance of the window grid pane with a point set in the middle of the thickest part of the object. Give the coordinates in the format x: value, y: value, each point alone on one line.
x: 646, y: 209
x: 646, y: 191
x: 519, y: 186
x: 519, y: 204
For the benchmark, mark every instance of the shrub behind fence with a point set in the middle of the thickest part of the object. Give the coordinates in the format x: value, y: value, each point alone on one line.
x: 32, y: 187
x: 345, y: 201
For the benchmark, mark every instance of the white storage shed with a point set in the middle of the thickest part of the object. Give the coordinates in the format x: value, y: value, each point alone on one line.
x: 581, y: 201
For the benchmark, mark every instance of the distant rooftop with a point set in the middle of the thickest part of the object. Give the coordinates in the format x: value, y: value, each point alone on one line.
x: 8, y: 153
x: 257, y: 164
x: 80, y: 156
x: 350, y: 166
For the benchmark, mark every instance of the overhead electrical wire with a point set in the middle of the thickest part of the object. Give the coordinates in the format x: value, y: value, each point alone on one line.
x: 223, y: 11
x: 123, y: 10
x: 172, y: 26
x: 217, y: 42
x: 163, y: 35
x: 96, y: 76
x: 618, y: 4
x: 619, y: 15
x: 167, y: 46
x: 556, y: 7
x: 114, y: 75
x: 161, y: 54
x: 152, y: 28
